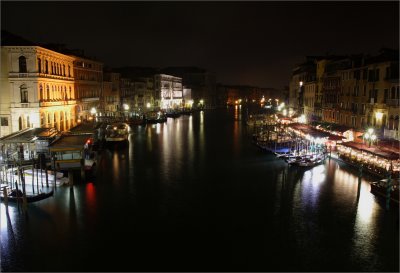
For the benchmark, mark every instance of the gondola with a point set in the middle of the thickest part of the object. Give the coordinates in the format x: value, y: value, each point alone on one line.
x: 29, y: 198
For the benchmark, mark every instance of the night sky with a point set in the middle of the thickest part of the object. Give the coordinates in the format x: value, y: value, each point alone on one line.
x: 256, y: 43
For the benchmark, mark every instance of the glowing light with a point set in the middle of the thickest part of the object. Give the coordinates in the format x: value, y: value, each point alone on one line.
x: 301, y: 83
x: 370, y: 131
x: 302, y: 119
x: 148, y: 105
x: 378, y: 115
x: 201, y: 101
x: 126, y: 106
x: 373, y: 137
x: 93, y: 111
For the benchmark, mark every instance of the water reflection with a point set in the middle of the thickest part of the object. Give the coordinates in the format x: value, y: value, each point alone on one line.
x: 177, y: 191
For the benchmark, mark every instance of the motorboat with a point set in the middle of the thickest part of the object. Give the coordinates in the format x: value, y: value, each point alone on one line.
x: 382, y: 187
x: 117, y: 132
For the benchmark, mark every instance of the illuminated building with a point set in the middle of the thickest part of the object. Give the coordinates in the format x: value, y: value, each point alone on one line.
x: 169, y: 91
x: 88, y: 86
x: 111, y: 93
x: 37, y: 89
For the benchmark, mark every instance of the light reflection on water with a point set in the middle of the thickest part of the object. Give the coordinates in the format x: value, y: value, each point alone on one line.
x: 179, y: 178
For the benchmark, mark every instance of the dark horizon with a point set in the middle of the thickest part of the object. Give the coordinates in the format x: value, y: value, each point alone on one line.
x: 256, y: 44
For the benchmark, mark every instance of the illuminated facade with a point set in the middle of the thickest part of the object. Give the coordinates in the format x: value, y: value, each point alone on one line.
x: 37, y: 89
x: 89, y: 87
x: 169, y: 91
x: 111, y: 94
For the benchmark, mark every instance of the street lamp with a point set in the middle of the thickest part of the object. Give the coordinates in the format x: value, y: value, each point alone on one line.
x: 370, y: 136
x: 93, y: 113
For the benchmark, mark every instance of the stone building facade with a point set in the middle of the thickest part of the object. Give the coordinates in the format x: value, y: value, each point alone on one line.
x: 37, y: 89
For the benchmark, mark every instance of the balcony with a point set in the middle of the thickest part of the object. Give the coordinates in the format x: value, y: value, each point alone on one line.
x: 56, y: 103
x: 24, y: 104
x: 37, y: 75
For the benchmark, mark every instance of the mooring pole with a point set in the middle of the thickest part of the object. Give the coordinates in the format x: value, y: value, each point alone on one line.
x: 388, y: 190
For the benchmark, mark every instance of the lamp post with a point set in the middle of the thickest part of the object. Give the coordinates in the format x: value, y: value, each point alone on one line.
x: 370, y: 136
x: 93, y: 112
x: 126, y: 109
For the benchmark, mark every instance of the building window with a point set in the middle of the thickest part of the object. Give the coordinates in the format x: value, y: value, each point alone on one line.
x: 63, y: 70
x: 41, y: 95
x: 47, y: 92
x: 69, y: 71
x: 47, y: 67
x: 24, y: 94
x: 4, y: 121
x: 22, y: 64
x: 39, y: 65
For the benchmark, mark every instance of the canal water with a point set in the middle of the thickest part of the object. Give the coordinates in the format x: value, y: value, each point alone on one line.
x: 194, y: 194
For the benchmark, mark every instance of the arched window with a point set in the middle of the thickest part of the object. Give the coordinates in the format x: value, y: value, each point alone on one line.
x: 63, y: 70
x: 39, y: 65
x: 24, y: 93
x: 22, y: 64
x: 41, y: 95
x: 47, y: 67
x: 42, y: 120
x: 69, y: 71
x: 20, y: 123
x: 47, y: 92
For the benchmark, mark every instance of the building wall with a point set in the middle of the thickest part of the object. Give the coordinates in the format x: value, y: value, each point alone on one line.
x: 88, y: 86
x: 170, y: 90
x: 40, y: 86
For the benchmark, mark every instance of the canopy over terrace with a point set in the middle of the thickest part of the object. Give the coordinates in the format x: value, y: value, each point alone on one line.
x: 378, y: 159
x: 305, y: 130
x: 27, y: 142
x: 380, y: 151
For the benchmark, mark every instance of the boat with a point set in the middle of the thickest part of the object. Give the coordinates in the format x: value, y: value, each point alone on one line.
x: 35, y: 176
x: 172, y: 114
x: 117, y: 132
x: 380, y: 188
x: 15, y: 196
x: 308, y: 162
x: 155, y: 117
x: 136, y: 121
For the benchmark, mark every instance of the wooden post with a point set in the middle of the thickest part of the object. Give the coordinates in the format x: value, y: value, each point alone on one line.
x: 5, y: 197
x: 37, y: 178
x: 33, y: 176
x: 388, y: 191
x: 70, y: 178
x: 47, y: 177
x: 359, y: 181
x: 24, y: 201
x: 41, y: 173
x: 54, y: 171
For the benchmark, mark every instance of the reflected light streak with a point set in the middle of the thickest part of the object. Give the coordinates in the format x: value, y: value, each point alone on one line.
x: 91, y: 195
x: 312, y: 181
x: 158, y: 128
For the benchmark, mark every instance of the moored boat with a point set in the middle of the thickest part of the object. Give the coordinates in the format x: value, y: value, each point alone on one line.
x: 117, y: 132
x: 381, y: 188
x: 16, y: 196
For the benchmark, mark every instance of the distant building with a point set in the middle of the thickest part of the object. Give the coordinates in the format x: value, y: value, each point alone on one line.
x: 201, y: 82
x: 111, y: 93
x: 169, y: 91
x: 89, y: 87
